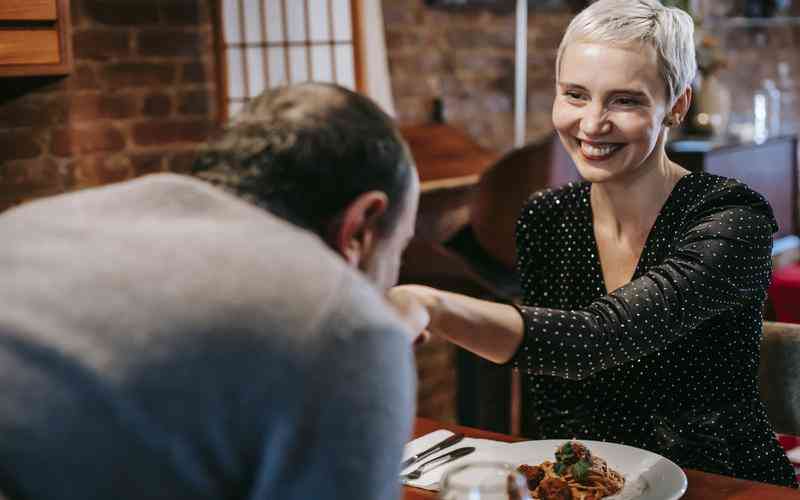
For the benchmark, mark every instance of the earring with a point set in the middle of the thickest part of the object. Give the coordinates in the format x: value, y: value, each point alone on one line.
x: 671, y: 121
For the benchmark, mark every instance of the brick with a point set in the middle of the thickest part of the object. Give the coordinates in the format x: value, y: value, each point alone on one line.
x: 19, y: 144
x: 87, y: 107
x: 170, y: 43
x: 156, y: 132
x: 412, y: 110
x: 157, y: 105
x: 408, y: 84
x: 195, y: 72
x: 400, y: 13
x: 114, y: 169
x: 185, y: 12
x: 101, y: 45
x: 467, y: 38
x: 401, y: 39
x: 32, y: 110
x: 96, y: 170
x: 195, y: 102
x: 82, y: 77
x: 425, y: 62
x: 489, y: 64
x: 69, y: 141
x: 28, y: 176
x: 182, y: 162
x: 147, y: 163
x: 121, y: 12
x: 122, y: 75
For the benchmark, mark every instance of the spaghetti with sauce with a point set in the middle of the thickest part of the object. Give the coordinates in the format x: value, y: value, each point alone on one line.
x: 575, y: 475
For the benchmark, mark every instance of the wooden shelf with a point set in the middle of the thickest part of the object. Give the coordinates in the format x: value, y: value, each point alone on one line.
x: 28, y: 10
x: 35, y: 38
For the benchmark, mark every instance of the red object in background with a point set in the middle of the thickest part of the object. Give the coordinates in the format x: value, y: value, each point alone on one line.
x: 789, y: 444
x: 784, y: 293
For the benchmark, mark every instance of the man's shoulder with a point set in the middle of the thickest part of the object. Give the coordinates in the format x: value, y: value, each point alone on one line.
x: 178, y: 243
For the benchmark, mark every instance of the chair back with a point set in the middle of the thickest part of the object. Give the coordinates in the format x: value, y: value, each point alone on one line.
x: 779, y: 375
x: 504, y: 188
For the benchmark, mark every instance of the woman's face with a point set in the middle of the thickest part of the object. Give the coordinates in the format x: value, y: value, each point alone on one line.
x: 609, y: 109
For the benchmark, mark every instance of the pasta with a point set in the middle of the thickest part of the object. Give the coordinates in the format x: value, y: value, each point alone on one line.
x: 575, y: 475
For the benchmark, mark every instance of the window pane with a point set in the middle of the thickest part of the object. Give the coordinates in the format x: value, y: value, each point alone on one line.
x: 255, y: 70
x: 277, y: 67
x: 235, y: 73
x: 296, y: 20
x: 322, y: 63
x: 345, y: 75
x: 230, y: 16
x: 252, y: 21
x: 275, y: 31
x: 298, y: 64
x: 320, y: 25
x: 341, y: 20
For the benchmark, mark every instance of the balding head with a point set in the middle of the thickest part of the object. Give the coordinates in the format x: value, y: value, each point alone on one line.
x: 306, y: 151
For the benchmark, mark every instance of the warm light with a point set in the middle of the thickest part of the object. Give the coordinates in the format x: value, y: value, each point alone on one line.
x: 703, y: 118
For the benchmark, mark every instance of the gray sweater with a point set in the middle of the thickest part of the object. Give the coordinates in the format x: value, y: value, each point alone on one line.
x: 161, y: 339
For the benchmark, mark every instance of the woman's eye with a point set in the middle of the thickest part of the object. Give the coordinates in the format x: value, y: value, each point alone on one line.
x: 572, y: 95
x: 626, y: 101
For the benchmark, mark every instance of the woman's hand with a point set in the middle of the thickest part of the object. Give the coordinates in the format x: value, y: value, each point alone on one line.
x: 408, y: 302
x: 490, y: 330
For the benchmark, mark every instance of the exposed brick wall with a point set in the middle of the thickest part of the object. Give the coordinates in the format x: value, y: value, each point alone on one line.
x: 140, y: 98
x: 467, y: 58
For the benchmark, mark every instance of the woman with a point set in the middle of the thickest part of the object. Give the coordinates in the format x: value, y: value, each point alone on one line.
x: 643, y: 285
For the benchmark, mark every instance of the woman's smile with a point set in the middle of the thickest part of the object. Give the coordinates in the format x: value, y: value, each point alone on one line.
x: 598, y: 151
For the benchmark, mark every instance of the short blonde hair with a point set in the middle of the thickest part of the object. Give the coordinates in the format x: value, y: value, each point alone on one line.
x: 670, y: 31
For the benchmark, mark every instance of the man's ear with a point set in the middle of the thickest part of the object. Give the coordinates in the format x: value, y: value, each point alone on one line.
x: 355, y: 232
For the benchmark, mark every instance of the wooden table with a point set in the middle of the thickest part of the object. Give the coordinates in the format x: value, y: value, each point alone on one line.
x: 702, y: 486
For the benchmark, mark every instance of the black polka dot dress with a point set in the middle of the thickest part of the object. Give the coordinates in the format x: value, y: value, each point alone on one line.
x: 669, y: 361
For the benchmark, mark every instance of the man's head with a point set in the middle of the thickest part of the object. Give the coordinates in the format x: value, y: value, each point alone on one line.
x: 328, y: 160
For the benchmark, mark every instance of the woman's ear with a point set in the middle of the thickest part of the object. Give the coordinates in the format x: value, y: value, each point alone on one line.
x: 680, y: 108
x: 356, y: 230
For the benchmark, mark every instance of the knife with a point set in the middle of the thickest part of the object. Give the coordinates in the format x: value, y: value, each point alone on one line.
x: 436, y: 462
x: 450, y: 441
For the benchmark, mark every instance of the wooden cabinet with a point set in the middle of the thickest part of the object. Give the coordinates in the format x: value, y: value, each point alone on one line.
x: 35, y: 37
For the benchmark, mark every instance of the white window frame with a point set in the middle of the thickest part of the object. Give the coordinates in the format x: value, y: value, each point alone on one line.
x: 251, y: 41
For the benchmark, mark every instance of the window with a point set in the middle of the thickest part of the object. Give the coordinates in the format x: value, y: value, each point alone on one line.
x: 269, y: 43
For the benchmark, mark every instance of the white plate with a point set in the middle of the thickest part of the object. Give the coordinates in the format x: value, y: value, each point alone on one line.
x: 648, y: 476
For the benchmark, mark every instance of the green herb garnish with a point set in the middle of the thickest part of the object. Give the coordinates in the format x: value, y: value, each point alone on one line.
x: 580, y: 470
x: 565, y: 453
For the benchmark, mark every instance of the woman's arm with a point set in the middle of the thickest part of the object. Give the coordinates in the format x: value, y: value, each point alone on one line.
x: 491, y: 330
x: 721, y: 262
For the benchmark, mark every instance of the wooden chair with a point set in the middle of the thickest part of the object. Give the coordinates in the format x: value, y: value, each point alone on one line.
x: 505, y: 187
x: 779, y: 375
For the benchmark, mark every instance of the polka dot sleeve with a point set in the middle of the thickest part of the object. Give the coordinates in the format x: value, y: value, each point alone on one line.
x: 720, y: 261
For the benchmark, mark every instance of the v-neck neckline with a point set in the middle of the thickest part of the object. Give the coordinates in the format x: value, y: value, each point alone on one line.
x: 647, y: 243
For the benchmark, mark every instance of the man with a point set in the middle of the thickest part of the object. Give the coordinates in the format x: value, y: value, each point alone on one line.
x: 162, y: 338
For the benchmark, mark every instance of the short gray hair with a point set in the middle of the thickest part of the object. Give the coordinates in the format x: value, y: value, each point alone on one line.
x: 670, y: 31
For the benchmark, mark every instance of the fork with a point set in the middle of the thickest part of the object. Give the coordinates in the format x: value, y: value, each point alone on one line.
x: 436, y: 462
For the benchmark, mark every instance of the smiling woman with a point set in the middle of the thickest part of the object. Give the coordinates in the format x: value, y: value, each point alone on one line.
x: 612, y: 122
x: 643, y: 285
